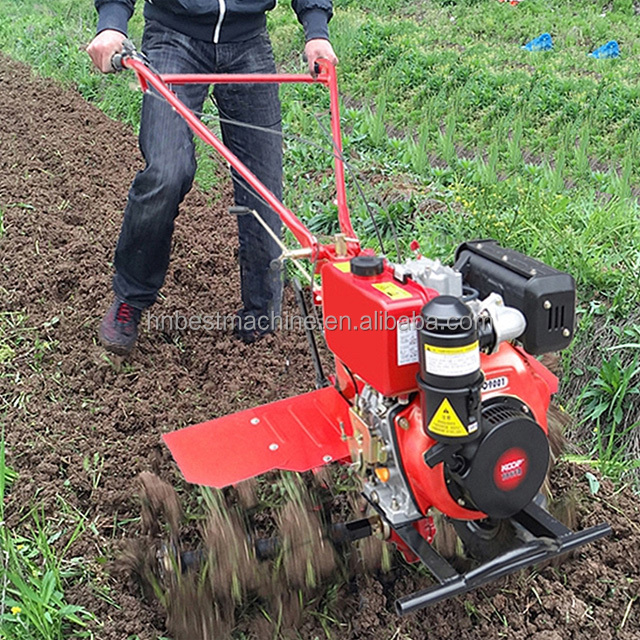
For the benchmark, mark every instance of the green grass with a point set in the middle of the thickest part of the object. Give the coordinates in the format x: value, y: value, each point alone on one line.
x: 51, y: 37
x: 21, y: 343
x: 461, y: 67
x: 465, y: 59
x: 541, y: 146
x: 37, y: 549
x: 537, y: 150
x: 33, y: 574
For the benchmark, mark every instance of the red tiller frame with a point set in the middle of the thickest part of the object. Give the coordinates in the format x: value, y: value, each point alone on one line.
x: 327, y: 76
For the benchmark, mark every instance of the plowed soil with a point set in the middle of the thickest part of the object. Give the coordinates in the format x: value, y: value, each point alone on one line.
x: 80, y: 427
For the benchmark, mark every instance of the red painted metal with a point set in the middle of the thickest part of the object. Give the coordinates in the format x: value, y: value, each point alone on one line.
x: 343, y: 212
x: 402, y: 548
x: 307, y: 431
x: 512, y: 367
x: 302, y: 234
x: 327, y: 76
x: 239, y: 78
x: 363, y: 321
x: 527, y: 379
x: 295, y: 434
x: 426, y: 528
x: 540, y: 370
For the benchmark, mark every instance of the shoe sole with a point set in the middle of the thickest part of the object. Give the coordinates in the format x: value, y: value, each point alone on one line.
x: 117, y: 349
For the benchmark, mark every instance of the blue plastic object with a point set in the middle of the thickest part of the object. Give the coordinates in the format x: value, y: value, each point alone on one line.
x: 609, y: 50
x: 542, y: 43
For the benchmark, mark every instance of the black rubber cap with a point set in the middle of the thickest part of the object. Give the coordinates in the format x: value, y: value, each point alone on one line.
x: 448, y: 315
x: 367, y: 266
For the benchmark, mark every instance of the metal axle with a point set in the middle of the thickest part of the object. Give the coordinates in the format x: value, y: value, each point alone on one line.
x: 340, y: 533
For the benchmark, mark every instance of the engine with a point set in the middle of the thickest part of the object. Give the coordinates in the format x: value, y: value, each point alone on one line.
x: 448, y: 402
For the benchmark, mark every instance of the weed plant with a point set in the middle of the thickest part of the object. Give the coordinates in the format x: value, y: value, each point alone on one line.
x: 32, y: 575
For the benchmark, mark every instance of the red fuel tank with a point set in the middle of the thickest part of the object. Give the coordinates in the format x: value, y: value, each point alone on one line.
x: 368, y: 325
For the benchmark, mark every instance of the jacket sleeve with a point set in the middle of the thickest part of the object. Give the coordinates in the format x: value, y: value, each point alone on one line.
x: 314, y: 15
x: 114, y: 14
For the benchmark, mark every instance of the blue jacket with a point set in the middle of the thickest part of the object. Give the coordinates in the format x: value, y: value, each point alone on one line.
x: 215, y: 20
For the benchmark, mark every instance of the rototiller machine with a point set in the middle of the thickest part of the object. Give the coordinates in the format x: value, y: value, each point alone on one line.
x: 437, y: 399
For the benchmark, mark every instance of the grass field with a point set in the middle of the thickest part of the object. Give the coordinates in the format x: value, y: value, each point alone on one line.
x: 453, y: 132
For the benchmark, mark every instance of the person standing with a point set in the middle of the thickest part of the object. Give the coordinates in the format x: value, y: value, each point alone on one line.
x: 201, y: 36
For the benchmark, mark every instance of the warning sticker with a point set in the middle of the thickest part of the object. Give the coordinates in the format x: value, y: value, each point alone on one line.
x: 445, y: 422
x: 392, y: 290
x: 452, y: 361
x: 343, y: 266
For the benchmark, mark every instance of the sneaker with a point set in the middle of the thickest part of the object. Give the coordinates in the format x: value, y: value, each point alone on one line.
x: 119, y: 328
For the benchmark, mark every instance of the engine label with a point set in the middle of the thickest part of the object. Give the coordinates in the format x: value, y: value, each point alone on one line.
x: 493, y: 384
x: 511, y: 469
x: 407, y: 343
x: 445, y: 422
x: 452, y: 361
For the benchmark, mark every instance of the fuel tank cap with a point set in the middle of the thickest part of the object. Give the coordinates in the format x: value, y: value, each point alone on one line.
x: 367, y: 266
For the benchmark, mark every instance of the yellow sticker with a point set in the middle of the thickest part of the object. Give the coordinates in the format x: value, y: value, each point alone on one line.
x: 343, y: 266
x: 392, y: 290
x: 446, y: 423
x: 474, y: 346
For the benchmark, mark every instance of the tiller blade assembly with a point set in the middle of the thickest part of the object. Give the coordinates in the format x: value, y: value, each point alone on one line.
x: 438, y: 402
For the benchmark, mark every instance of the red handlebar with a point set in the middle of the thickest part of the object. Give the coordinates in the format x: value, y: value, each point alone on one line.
x: 327, y: 76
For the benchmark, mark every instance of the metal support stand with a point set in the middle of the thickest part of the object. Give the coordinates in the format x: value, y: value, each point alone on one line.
x: 549, y: 538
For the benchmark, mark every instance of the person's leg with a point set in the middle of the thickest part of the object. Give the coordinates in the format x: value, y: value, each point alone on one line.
x: 142, y: 252
x: 261, y: 152
x: 166, y: 142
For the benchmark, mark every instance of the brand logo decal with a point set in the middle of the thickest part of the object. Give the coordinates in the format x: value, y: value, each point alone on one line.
x: 511, y: 469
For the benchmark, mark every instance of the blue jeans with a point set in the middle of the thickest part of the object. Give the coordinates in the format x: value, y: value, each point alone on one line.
x: 166, y: 142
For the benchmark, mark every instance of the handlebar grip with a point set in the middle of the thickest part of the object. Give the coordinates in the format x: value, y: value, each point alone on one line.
x: 116, y: 62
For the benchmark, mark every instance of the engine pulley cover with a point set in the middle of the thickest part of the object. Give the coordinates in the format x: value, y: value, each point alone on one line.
x: 507, y: 465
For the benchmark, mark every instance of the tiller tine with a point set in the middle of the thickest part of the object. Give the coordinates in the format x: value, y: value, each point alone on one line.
x: 295, y: 434
x: 545, y: 538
